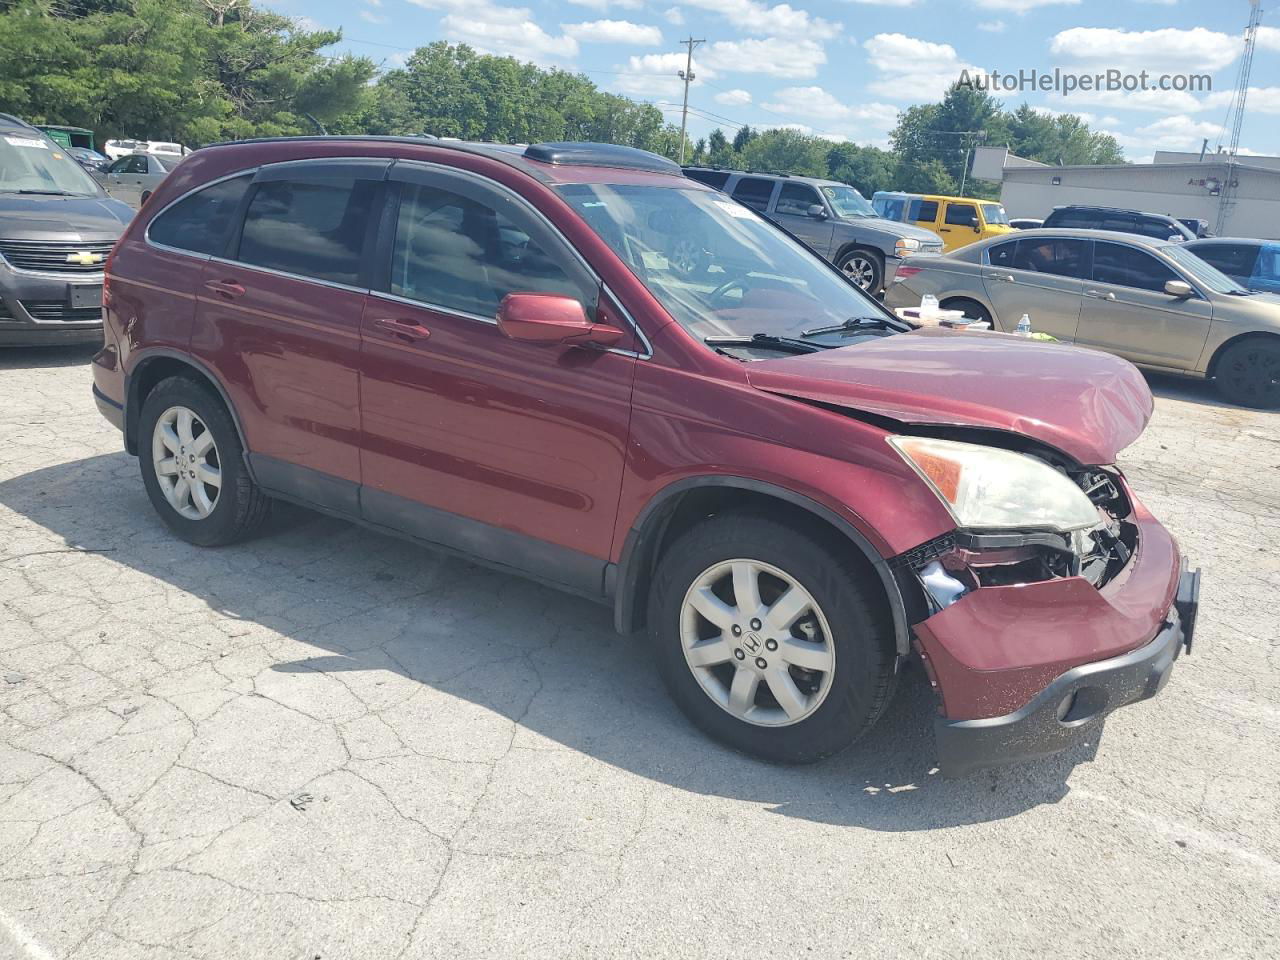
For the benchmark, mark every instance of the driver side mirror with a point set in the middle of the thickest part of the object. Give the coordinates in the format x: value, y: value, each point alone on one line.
x: 552, y: 318
x: 977, y: 227
x: 817, y: 211
x: 1178, y: 288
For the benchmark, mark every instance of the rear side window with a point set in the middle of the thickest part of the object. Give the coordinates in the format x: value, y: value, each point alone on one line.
x: 1003, y: 254
x: 312, y: 230
x: 201, y: 221
x: 455, y: 252
x: 923, y: 210
x: 1127, y: 267
x: 1161, y: 229
x: 1073, y: 219
x: 754, y: 192
x: 1061, y: 257
x: 712, y: 178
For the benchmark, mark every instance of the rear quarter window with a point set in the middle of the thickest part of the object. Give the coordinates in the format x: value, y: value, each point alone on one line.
x: 754, y: 192
x: 712, y: 178
x: 201, y: 222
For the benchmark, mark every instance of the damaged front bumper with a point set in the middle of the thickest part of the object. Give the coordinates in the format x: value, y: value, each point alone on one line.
x: 1072, y: 706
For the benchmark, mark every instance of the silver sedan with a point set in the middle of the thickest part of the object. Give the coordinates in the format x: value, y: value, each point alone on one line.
x: 133, y: 178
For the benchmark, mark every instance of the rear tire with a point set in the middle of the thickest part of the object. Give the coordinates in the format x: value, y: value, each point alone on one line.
x: 193, y: 466
x: 971, y: 308
x: 1248, y: 372
x: 832, y: 663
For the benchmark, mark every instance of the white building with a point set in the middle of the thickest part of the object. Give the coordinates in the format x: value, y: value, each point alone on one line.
x: 1238, y: 196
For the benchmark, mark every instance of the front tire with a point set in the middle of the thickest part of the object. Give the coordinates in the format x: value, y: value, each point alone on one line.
x: 1248, y: 372
x: 193, y: 466
x: 770, y: 640
x: 864, y: 268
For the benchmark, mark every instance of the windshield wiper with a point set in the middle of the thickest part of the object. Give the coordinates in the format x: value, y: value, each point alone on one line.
x: 767, y: 341
x: 853, y: 323
x: 47, y: 193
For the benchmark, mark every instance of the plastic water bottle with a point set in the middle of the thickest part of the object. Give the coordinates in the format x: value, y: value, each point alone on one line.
x: 1024, y: 326
x: 928, y: 305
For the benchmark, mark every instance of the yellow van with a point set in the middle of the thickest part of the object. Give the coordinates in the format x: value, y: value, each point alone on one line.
x: 959, y: 221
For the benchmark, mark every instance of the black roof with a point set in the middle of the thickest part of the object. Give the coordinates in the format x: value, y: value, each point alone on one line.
x: 1102, y: 209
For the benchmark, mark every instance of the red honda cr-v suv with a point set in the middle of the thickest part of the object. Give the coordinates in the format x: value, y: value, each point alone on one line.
x: 493, y: 351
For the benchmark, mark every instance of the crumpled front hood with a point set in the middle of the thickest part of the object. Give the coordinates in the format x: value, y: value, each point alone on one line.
x: 1087, y: 404
x: 40, y: 217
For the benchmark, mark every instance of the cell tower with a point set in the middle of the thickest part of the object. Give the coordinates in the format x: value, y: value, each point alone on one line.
x: 1235, y: 115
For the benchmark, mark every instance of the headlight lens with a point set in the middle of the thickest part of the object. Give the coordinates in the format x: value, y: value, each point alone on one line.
x: 906, y: 245
x: 988, y: 488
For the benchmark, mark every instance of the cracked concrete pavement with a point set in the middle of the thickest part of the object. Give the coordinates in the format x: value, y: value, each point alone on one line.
x: 327, y: 743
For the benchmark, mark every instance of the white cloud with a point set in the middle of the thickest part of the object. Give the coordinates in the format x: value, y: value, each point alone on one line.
x: 1151, y: 101
x: 372, y: 3
x: 1089, y: 118
x: 912, y: 69
x: 815, y: 103
x: 1022, y: 6
x: 654, y: 75
x: 733, y: 98
x: 1169, y: 133
x: 782, y: 20
x: 673, y: 15
x: 1261, y: 100
x: 886, y: 3
x: 613, y: 31
x: 790, y: 59
x: 508, y: 31
x: 1269, y: 38
x: 606, y: 4
x: 371, y: 17
x: 1168, y: 49
x: 992, y: 26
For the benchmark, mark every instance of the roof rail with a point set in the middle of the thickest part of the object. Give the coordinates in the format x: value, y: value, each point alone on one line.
x: 585, y: 153
x: 18, y: 120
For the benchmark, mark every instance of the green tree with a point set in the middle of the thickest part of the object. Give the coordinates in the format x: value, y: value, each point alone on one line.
x: 866, y: 168
x: 743, y: 137
x: 786, y: 151
x: 719, y: 151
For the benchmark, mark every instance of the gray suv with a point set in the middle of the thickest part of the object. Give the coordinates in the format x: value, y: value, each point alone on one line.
x: 833, y: 218
x: 57, y: 226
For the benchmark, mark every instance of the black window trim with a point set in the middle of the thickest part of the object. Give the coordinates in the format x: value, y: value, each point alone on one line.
x: 386, y: 239
x: 1174, y: 268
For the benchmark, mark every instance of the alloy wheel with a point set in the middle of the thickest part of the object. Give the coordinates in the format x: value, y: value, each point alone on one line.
x: 186, y: 463
x: 861, y: 270
x: 757, y: 642
x: 1255, y: 374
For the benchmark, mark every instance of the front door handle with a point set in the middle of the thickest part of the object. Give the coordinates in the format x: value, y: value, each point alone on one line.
x: 409, y: 330
x: 226, y: 288
x: 1100, y: 295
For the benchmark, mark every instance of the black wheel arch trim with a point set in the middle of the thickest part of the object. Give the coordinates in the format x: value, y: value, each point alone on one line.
x: 133, y: 408
x: 623, y: 580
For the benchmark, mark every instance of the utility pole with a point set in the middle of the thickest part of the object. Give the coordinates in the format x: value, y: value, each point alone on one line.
x: 687, y: 76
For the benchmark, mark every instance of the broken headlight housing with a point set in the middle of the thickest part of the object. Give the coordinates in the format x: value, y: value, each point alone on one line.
x: 1019, y: 520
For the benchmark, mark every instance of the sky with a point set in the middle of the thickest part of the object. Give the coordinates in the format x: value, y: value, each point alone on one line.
x: 845, y: 68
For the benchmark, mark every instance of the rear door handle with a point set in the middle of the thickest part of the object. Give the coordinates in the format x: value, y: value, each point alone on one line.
x: 1002, y: 277
x: 227, y: 288
x: 1100, y: 295
x: 408, y: 329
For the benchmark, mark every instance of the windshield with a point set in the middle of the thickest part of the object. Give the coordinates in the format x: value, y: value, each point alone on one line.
x: 848, y: 202
x: 1210, y: 276
x: 35, y: 164
x: 994, y: 213
x: 714, y: 265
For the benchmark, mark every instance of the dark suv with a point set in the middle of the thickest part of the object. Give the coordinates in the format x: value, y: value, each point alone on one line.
x: 1081, y: 217
x: 57, y: 226
x: 487, y: 350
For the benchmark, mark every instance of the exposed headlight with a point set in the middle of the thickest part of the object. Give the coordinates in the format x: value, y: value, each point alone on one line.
x: 906, y: 245
x: 986, y: 488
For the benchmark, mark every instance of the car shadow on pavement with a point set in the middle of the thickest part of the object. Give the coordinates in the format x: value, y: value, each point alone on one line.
x: 394, y: 621
x: 30, y: 358
x: 1189, y: 390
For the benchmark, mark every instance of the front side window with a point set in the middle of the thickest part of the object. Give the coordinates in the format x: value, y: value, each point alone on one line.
x: 1129, y: 267
x: 962, y: 214
x: 1268, y: 265
x: 1233, y: 259
x: 455, y: 252
x: 1201, y: 272
x: 756, y: 280
x: 796, y: 199
x: 754, y: 192
x: 1160, y: 229
x: 201, y: 222
x: 1062, y: 257
x: 312, y: 230
x: 31, y: 163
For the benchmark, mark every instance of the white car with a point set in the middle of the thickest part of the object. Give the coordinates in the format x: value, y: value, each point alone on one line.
x: 133, y: 177
x: 115, y: 149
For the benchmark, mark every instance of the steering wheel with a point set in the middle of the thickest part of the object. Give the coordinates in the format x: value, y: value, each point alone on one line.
x: 721, y: 293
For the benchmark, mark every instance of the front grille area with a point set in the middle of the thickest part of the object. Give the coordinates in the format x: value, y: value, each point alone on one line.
x: 54, y: 310
x: 51, y: 257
